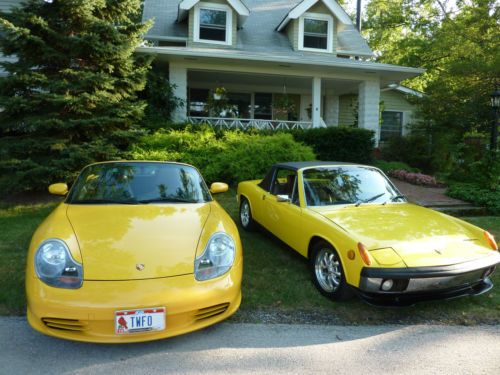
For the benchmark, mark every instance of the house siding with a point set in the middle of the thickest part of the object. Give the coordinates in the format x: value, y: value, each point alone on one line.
x: 292, y: 29
x: 397, y: 101
x: 347, y: 110
x: 234, y: 41
x: 5, y: 6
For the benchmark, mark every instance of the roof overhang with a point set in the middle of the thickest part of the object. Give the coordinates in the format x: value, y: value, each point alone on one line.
x: 387, y: 73
x: 404, y: 90
x: 305, y: 5
x: 240, y: 8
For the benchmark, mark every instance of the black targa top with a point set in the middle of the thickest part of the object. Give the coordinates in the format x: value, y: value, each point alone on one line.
x: 295, y: 166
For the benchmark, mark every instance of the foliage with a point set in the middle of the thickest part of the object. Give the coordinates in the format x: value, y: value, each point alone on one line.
x: 339, y: 143
x: 71, y: 96
x: 473, y: 192
x: 388, y: 166
x: 412, y: 150
x: 415, y: 178
x: 284, y: 105
x: 230, y: 156
x: 218, y: 103
x: 159, y: 94
x: 457, y: 43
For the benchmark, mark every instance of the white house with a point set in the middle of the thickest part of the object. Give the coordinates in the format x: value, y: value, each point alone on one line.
x: 262, y: 50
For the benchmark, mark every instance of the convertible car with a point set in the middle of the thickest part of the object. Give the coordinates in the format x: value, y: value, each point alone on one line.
x: 137, y: 251
x: 360, y: 234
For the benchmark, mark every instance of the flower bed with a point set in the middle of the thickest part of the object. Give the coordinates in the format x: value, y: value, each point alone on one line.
x: 415, y: 178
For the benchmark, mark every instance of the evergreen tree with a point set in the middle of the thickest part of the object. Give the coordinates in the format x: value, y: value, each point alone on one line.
x: 71, y: 97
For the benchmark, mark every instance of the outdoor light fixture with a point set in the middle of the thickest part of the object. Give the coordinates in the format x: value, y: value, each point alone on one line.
x: 495, y: 104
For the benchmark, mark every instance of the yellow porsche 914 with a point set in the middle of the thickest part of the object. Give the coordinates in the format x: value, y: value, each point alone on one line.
x: 360, y: 234
x: 138, y: 251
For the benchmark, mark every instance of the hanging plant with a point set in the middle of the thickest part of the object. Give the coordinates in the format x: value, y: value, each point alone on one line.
x: 284, y: 105
x: 218, y: 103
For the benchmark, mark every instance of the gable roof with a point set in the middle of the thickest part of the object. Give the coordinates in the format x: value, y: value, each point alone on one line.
x: 305, y: 5
x: 259, y: 34
x: 237, y: 5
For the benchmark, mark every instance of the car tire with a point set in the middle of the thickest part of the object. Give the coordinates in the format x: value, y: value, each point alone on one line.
x: 327, y: 272
x: 246, y: 219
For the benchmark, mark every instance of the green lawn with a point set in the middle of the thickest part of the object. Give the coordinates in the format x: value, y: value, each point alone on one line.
x: 276, y: 280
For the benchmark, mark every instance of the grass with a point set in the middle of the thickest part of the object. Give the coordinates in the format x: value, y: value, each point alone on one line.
x: 17, y: 225
x: 276, y: 280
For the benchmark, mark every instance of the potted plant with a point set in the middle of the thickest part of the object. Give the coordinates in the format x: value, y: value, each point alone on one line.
x: 284, y: 105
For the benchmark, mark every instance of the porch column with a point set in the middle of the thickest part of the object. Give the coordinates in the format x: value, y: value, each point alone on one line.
x: 178, y: 78
x: 316, y: 102
x: 368, y: 110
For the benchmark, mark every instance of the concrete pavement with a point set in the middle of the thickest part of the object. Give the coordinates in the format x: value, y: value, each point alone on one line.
x: 230, y: 348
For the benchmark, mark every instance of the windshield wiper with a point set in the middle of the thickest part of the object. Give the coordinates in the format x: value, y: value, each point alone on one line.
x: 167, y: 200
x: 392, y: 199
x: 369, y: 199
x: 103, y: 201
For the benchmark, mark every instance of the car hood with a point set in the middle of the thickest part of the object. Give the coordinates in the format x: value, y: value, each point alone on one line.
x: 127, y: 242
x: 420, y: 236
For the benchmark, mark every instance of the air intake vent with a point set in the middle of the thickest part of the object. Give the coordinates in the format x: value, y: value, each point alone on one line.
x: 209, y: 312
x: 65, y: 324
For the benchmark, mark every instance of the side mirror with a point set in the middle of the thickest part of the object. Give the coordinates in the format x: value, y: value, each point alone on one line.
x: 218, y: 187
x: 283, y: 198
x: 58, y: 189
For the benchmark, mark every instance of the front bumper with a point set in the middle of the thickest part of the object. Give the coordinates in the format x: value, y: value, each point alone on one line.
x: 415, y: 284
x: 87, y: 314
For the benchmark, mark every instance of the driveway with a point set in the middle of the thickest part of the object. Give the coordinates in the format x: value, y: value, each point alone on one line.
x: 231, y: 348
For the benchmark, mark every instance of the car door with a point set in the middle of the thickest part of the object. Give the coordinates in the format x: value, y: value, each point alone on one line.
x: 283, y: 218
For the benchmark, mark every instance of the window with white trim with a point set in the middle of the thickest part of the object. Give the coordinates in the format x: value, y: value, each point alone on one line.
x: 316, y: 32
x: 213, y: 23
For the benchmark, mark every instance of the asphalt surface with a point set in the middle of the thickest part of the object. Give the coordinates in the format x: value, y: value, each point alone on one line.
x: 230, y: 348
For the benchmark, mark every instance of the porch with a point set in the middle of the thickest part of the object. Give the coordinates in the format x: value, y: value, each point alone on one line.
x: 273, y: 101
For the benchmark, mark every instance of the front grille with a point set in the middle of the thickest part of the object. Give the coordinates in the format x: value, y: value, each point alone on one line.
x: 209, y: 312
x: 65, y: 324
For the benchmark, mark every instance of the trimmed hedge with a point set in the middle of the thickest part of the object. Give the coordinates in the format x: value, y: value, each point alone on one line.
x: 388, y: 166
x: 339, y: 143
x: 230, y: 156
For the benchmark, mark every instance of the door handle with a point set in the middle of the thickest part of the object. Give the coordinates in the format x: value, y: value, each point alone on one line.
x: 263, y: 197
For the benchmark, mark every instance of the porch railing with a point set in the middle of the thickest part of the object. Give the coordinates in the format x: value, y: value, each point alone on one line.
x: 240, y: 123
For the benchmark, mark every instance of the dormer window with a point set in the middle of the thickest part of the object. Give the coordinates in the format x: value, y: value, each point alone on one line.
x: 316, y: 32
x: 213, y: 23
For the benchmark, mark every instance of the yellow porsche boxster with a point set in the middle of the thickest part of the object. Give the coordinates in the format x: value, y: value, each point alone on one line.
x: 360, y: 234
x: 137, y: 251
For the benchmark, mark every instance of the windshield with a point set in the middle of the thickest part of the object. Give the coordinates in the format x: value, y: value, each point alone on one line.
x: 346, y: 185
x: 138, y: 183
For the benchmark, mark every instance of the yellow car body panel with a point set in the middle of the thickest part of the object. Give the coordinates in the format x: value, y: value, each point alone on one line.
x: 110, y: 241
x: 398, y: 235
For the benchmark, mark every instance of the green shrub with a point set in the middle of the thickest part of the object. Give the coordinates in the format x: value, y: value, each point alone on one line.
x: 474, y: 193
x: 230, y: 156
x: 339, y: 143
x: 413, y: 150
x: 387, y: 166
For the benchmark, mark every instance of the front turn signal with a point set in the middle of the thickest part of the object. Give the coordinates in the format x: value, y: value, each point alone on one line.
x: 491, y: 240
x: 365, y: 255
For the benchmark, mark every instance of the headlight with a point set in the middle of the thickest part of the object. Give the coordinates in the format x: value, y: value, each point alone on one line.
x: 217, y: 258
x: 55, y: 266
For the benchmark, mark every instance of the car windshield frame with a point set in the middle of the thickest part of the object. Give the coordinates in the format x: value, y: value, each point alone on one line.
x: 389, y: 196
x: 190, y: 188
